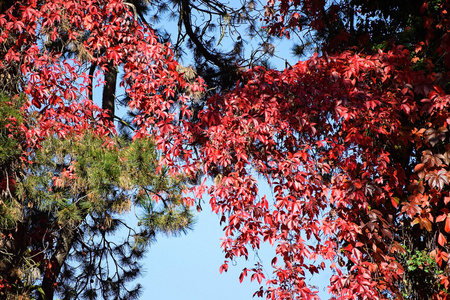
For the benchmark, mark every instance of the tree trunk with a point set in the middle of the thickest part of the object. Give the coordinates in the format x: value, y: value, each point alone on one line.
x: 63, y: 246
x: 109, y: 91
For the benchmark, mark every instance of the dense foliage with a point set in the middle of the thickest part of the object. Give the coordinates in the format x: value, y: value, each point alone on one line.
x: 354, y: 143
x: 355, y: 146
x: 358, y: 168
x: 67, y: 179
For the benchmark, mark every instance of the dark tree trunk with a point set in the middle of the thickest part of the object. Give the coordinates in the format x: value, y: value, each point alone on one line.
x: 109, y: 91
x: 91, y: 76
x: 63, y: 246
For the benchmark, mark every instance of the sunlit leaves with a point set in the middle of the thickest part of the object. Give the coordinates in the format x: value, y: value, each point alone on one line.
x: 353, y: 146
x: 327, y: 134
x: 82, y: 178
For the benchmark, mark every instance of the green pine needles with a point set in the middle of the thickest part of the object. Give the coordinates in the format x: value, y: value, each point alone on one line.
x: 80, y: 217
x: 10, y: 117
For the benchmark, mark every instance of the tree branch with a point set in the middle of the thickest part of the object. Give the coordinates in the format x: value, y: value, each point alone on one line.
x: 185, y: 15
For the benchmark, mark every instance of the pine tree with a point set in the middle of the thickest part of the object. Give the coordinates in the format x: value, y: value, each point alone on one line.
x: 81, y: 214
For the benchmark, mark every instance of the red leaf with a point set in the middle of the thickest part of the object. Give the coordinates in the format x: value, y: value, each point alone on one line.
x: 274, y: 261
x: 446, y: 200
x: 441, y: 218
x: 447, y: 224
x: 223, y: 268
x: 418, y: 167
x: 395, y: 201
x: 243, y: 274
x: 258, y: 276
x: 441, y: 239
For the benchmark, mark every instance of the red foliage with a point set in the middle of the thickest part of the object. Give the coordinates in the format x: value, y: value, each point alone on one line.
x: 41, y: 34
x: 102, y: 31
x: 353, y: 146
x: 354, y: 151
x: 284, y: 15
